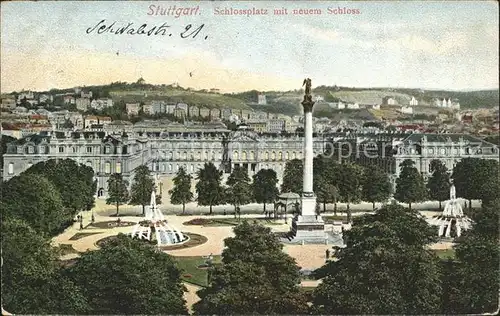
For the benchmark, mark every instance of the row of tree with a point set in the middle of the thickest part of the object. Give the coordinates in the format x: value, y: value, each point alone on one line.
x: 239, y: 190
x: 346, y: 182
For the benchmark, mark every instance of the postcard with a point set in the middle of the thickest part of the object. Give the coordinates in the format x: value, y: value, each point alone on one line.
x: 249, y: 157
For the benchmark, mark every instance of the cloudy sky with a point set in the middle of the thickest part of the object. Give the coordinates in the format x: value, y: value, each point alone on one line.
x: 431, y: 45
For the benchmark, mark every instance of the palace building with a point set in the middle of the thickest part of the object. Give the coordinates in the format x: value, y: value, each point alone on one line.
x: 163, y: 152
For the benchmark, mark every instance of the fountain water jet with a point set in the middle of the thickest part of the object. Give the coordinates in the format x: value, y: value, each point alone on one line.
x: 155, y: 227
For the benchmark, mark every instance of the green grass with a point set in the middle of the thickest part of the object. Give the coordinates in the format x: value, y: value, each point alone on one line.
x: 445, y: 253
x: 217, y: 222
x: 66, y: 249
x: 78, y: 236
x: 189, y: 266
x: 329, y: 219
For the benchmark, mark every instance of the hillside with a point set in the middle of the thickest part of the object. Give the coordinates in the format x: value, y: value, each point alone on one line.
x: 176, y: 95
x: 467, y: 99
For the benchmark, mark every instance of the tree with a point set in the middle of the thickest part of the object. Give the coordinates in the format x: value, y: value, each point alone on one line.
x: 32, y: 282
x: 410, y: 186
x: 474, y: 277
x: 385, y: 268
x: 117, y: 191
x: 439, y: 182
x: 208, y: 188
x: 131, y: 277
x: 326, y: 181
x: 239, y: 187
x: 264, y: 186
x: 143, y: 185
x: 181, y: 192
x: 291, y: 177
x: 351, y: 178
x: 4, y: 140
x: 256, y: 277
x: 34, y: 199
x: 376, y: 185
x: 74, y: 181
x: 476, y: 179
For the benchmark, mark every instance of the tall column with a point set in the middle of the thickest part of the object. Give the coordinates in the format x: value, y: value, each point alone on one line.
x: 308, y: 198
x: 307, y: 186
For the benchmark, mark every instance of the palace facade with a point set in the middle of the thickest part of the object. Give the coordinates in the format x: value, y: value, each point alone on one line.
x: 163, y: 152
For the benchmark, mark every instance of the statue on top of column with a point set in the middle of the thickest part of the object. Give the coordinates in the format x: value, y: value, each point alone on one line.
x: 307, y: 92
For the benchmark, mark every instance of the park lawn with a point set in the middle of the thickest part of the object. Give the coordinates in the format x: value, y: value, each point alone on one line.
x: 445, y: 253
x: 66, y: 249
x: 190, y: 271
x: 215, y: 222
x: 329, y: 219
x: 79, y: 235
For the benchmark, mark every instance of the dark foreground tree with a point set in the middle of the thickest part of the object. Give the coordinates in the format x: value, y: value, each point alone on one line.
x: 130, y: 277
x: 32, y: 282
x: 256, y: 277
x: 34, y: 199
x: 383, y: 269
x: 474, y: 277
x: 209, y: 188
x: 142, y: 186
x: 410, y: 186
x: 117, y: 191
x: 264, y: 186
x: 181, y: 192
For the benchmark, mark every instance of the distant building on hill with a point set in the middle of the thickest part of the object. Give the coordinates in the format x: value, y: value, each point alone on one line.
x: 389, y: 100
x: 261, y: 99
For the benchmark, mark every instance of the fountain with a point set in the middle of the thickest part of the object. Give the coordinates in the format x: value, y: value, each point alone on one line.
x: 452, y: 221
x: 155, y: 227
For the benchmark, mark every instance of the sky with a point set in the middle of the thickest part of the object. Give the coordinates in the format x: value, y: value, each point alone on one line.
x: 430, y: 45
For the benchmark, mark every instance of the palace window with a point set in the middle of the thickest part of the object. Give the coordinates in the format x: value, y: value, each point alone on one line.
x: 31, y: 149
x: 61, y: 149
x: 118, y: 167
x: 235, y: 155
x: 280, y: 155
x: 75, y: 149
x: 266, y: 155
x: 273, y: 155
x: 252, y: 155
x: 89, y: 149
x: 107, y: 168
x: 11, y: 168
x: 244, y: 155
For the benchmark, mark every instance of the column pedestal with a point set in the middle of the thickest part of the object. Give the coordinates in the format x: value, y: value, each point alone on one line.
x: 308, y: 226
